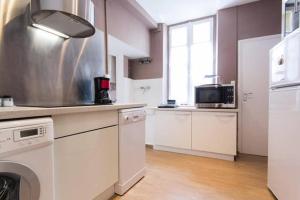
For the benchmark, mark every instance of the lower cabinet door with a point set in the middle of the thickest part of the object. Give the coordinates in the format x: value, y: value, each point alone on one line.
x: 150, y: 126
x: 86, y: 164
x: 173, y: 129
x: 214, y: 132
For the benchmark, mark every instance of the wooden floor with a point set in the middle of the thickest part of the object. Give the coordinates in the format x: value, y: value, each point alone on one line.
x: 173, y: 176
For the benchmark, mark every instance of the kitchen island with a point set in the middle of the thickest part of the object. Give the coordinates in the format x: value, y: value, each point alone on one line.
x: 26, y: 112
x: 86, y: 147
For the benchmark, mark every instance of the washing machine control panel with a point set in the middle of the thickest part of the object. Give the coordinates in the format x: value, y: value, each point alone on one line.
x: 26, y: 136
x: 29, y: 133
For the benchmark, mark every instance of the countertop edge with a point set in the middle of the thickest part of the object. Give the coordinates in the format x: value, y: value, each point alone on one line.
x: 186, y: 109
x: 7, y: 113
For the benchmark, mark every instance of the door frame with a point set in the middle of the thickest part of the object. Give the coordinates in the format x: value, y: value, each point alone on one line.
x: 240, y: 85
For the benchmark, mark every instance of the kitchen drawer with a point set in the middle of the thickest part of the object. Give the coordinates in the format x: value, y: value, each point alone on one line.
x: 70, y: 124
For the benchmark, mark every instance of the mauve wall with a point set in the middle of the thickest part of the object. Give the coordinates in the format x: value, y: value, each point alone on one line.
x: 247, y: 21
x: 155, y: 68
x: 123, y: 24
x: 99, y: 14
x: 227, y: 43
x: 127, y: 27
x: 259, y: 19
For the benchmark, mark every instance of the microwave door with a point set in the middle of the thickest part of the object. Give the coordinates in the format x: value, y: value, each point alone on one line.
x: 208, y: 97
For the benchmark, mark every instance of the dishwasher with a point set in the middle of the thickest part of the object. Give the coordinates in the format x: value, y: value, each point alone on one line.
x: 131, y: 148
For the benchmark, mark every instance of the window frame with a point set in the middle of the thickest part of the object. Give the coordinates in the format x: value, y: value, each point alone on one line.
x: 190, y: 23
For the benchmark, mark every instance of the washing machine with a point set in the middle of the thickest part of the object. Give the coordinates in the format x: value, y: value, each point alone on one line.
x: 26, y: 159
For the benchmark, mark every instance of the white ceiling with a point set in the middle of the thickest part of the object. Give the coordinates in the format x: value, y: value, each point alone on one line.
x: 174, y: 11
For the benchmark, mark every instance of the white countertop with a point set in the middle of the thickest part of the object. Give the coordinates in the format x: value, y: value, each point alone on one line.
x: 194, y: 109
x: 26, y: 112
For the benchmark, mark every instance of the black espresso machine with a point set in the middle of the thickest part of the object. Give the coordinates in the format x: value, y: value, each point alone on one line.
x: 102, y: 85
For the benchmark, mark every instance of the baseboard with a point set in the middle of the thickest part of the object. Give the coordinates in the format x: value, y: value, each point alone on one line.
x: 107, y: 194
x: 195, y: 153
x: 121, y: 188
x: 150, y: 146
x: 271, y: 192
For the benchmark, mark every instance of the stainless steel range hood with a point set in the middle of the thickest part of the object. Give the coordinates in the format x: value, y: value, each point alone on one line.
x: 66, y: 18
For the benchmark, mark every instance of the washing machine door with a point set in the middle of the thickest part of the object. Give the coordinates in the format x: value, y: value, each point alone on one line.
x: 18, y: 182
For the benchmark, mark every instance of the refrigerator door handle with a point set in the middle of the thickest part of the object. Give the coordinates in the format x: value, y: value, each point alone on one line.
x: 281, y: 60
x: 246, y: 96
x: 295, y: 84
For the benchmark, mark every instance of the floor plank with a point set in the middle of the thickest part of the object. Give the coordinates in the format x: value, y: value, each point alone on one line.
x: 173, y: 176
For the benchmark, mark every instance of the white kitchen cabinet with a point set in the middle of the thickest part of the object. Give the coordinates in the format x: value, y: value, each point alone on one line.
x: 173, y: 129
x: 214, y: 132
x: 86, y: 164
x: 150, y: 126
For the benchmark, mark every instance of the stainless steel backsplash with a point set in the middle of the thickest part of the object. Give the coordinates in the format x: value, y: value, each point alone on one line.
x: 38, y: 68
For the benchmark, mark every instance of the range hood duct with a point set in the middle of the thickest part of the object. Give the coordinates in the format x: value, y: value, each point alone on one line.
x: 66, y: 18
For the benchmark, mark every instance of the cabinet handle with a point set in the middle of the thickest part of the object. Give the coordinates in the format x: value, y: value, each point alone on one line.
x: 225, y: 115
x: 135, y: 118
x: 183, y: 114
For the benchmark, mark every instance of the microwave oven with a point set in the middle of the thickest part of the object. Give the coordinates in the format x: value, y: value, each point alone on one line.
x: 290, y: 16
x: 215, y: 96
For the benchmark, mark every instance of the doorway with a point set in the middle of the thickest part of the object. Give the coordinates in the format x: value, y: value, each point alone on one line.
x: 253, y: 67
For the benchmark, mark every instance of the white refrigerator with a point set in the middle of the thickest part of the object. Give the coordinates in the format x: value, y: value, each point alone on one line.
x: 284, y: 119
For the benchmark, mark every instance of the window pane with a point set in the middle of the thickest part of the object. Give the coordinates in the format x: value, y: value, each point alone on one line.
x: 201, y: 65
x: 202, y: 32
x: 179, y: 36
x: 179, y: 74
x: 191, y: 57
x: 201, y: 62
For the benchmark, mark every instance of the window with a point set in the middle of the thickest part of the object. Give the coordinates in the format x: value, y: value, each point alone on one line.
x: 191, y: 58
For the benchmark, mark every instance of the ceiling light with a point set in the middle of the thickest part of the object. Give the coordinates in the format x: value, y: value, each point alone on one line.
x: 45, y: 28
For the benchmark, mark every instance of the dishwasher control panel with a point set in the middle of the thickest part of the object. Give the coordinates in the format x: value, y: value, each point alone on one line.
x: 131, y: 116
